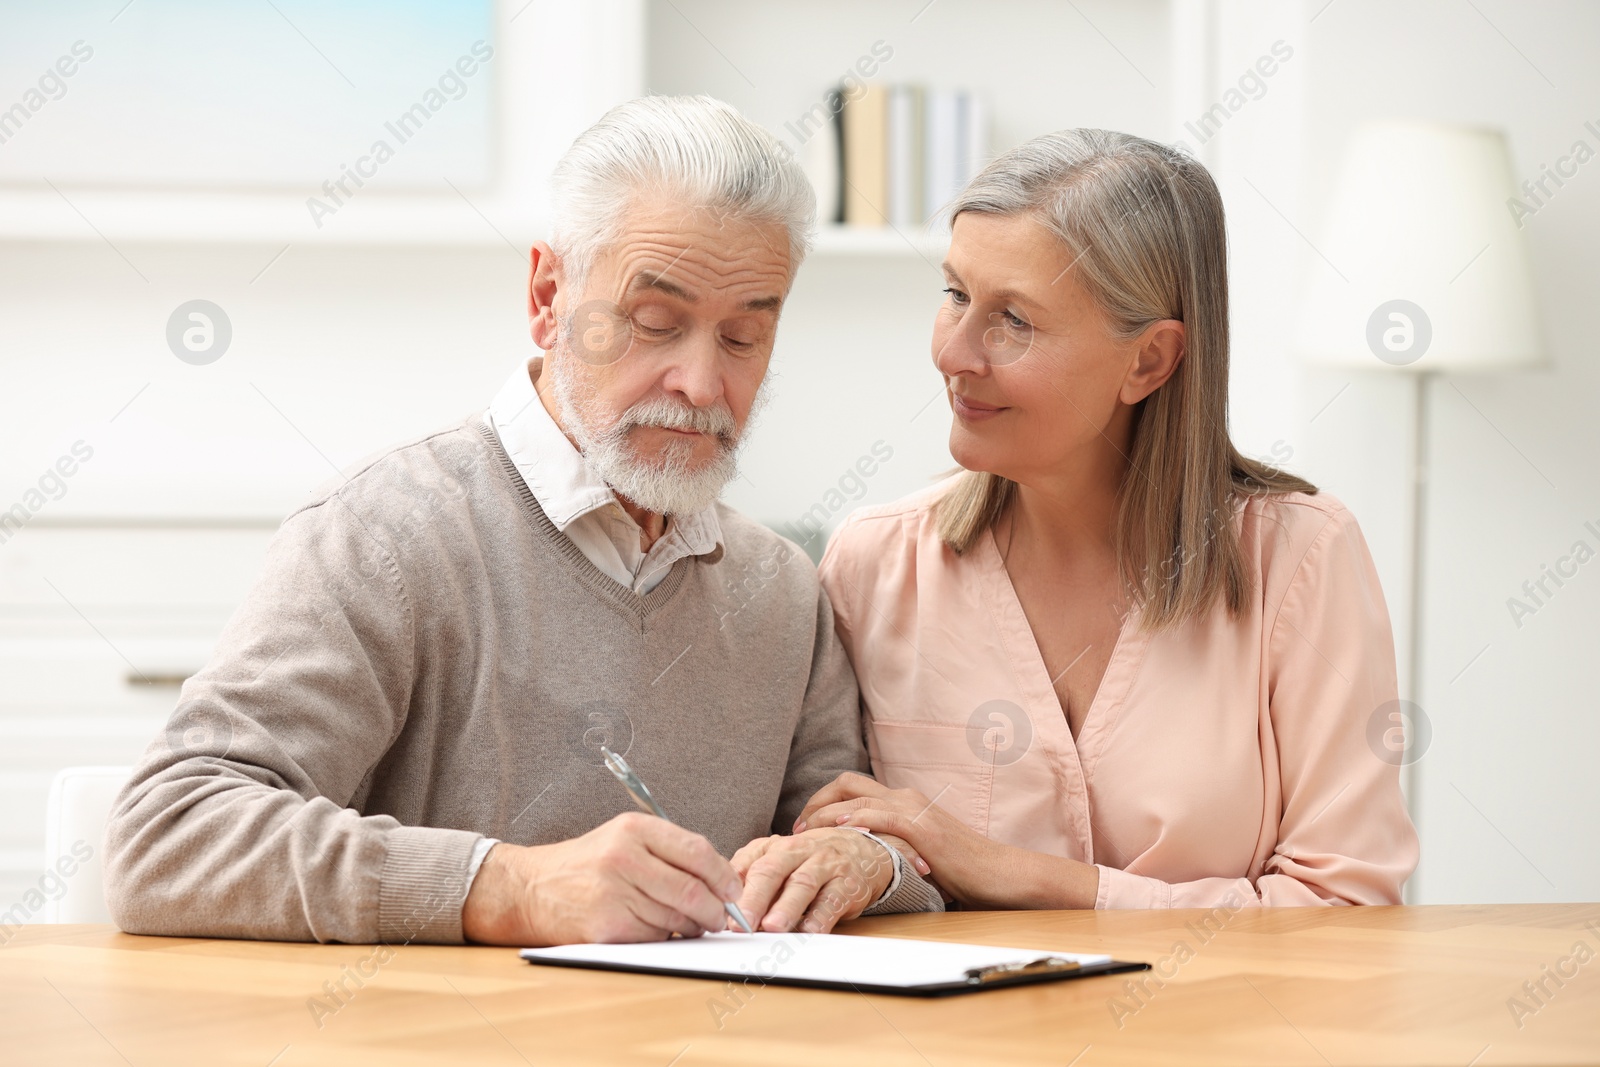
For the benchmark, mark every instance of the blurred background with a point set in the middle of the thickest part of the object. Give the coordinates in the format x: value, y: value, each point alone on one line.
x: 159, y: 153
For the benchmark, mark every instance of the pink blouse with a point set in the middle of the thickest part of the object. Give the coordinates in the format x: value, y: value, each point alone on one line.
x: 1223, y: 761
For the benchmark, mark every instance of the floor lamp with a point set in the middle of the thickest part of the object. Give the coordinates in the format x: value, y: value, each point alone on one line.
x: 1425, y: 273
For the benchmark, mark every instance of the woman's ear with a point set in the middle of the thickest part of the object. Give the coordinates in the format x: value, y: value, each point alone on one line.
x: 542, y: 287
x: 1158, y: 352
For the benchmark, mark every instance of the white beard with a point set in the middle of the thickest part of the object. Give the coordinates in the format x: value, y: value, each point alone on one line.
x: 667, y: 484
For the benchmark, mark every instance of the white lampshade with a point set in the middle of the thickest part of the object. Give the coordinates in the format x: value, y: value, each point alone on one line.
x: 1420, y: 221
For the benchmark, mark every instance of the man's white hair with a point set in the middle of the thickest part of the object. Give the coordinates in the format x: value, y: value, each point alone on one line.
x: 695, y: 149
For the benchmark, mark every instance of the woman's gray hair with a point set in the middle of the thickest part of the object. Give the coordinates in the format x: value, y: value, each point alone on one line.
x: 693, y: 148
x: 1136, y: 214
x: 1142, y: 226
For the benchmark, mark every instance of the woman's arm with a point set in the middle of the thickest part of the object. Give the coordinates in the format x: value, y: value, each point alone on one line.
x: 971, y: 868
x: 1332, y: 739
x: 1343, y: 834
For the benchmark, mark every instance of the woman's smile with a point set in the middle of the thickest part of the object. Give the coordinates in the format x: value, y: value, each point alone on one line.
x: 968, y: 409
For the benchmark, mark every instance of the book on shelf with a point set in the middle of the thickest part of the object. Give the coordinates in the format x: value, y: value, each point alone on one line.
x: 905, y: 134
x: 896, y: 154
x: 866, y: 156
x: 942, y: 167
x: 820, y: 156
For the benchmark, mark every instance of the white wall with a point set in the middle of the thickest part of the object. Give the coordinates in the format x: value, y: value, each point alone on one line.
x: 1509, y: 807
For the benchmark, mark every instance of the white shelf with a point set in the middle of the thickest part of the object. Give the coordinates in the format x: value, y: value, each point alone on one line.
x: 219, y: 218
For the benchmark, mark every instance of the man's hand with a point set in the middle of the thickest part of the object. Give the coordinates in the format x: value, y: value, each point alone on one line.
x: 635, y: 878
x: 812, y: 880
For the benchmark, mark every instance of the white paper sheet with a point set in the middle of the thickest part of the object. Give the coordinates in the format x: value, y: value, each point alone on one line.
x: 842, y: 958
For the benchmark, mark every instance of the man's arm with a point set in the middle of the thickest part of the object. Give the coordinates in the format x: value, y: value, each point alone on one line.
x: 827, y: 874
x: 236, y: 821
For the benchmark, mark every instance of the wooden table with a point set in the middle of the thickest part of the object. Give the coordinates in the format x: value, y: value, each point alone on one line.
x: 1401, y: 985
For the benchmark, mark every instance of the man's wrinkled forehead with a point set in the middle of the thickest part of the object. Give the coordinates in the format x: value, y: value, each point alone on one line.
x: 693, y: 254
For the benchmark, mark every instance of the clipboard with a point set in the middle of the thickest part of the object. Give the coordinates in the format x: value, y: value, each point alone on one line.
x: 889, y: 965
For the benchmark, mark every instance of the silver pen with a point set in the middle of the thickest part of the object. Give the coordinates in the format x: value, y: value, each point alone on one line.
x: 641, y: 796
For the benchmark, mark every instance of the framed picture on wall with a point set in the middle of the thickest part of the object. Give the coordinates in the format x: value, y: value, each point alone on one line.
x: 292, y: 120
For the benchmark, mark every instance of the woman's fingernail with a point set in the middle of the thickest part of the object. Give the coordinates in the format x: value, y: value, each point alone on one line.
x: 841, y: 820
x: 799, y: 827
x: 922, y: 865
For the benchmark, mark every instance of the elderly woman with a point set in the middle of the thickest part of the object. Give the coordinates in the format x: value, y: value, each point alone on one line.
x: 1113, y: 663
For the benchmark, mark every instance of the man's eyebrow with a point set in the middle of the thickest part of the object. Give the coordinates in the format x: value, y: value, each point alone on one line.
x: 646, y: 279
x: 662, y: 284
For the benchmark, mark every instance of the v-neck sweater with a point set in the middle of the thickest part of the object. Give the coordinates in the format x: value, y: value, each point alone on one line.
x: 1225, y: 761
x: 426, y: 659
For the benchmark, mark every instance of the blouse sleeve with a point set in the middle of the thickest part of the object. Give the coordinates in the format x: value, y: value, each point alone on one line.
x: 1344, y: 836
x: 839, y: 573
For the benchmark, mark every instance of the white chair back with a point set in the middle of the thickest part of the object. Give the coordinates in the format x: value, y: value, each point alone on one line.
x: 75, y: 826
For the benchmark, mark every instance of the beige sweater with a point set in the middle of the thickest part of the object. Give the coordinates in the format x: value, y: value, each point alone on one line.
x: 425, y: 660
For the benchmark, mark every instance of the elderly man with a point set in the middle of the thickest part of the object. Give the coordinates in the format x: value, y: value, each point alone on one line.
x: 399, y: 736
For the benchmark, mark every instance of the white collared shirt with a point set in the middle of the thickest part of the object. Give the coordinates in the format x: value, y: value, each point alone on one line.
x: 578, y: 502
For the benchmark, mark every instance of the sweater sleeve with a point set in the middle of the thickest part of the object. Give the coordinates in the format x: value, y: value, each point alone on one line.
x: 238, y: 822
x: 1344, y: 836
x: 827, y: 739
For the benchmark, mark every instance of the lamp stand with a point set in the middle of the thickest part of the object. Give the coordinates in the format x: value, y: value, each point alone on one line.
x: 1419, y: 510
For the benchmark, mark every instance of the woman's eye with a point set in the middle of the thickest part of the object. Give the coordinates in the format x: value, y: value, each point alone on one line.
x: 957, y: 296
x: 1012, y: 320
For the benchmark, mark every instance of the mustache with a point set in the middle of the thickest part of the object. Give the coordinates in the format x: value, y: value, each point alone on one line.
x: 665, y: 413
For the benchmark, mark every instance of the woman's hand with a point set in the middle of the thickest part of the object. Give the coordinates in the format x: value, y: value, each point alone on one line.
x: 964, y: 864
x: 960, y: 861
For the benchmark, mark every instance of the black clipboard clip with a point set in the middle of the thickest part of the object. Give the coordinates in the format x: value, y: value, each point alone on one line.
x: 1001, y: 972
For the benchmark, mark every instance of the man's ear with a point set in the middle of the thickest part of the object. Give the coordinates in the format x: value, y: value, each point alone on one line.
x: 1159, y: 351
x: 542, y: 287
